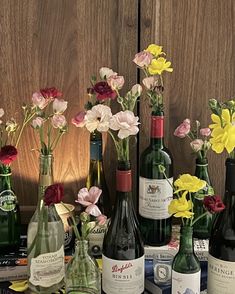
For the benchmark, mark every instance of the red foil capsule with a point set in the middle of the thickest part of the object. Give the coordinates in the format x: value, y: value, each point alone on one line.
x: 157, y: 126
x: 123, y: 180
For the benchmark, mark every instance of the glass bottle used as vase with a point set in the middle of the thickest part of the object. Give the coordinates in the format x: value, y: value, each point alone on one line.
x: 9, y: 213
x: 202, y: 227
x: 186, y: 271
x: 82, y: 273
x: 45, y: 239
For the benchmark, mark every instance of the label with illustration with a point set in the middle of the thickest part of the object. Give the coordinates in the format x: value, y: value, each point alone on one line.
x: 96, y: 238
x: 186, y: 283
x: 221, y: 276
x: 7, y: 200
x: 154, y: 197
x: 47, y: 269
x: 123, y: 276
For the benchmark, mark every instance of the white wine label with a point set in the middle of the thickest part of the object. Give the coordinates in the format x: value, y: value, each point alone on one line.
x: 7, y: 200
x: 221, y: 276
x: 123, y: 276
x: 96, y: 238
x: 154, y: 197
x: 186, y: 283
x: 47, y: 269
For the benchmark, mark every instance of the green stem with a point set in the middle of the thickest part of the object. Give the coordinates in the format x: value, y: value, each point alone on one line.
x: 200, y: 216
x: 55, y: 142
x: 25, y: 122
x: 74, y: 225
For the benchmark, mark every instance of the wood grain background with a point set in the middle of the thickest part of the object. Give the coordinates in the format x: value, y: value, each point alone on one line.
x: 62, y: 43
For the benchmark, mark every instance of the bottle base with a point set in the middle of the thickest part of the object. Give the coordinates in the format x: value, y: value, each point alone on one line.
x: 45, y: 290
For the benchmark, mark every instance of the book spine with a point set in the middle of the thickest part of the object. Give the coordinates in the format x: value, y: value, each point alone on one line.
x: 13, y: 273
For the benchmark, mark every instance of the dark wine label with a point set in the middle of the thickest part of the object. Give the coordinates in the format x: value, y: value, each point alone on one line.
x: 96, y: 150
x: 157, y: 126
x: 123, y: 180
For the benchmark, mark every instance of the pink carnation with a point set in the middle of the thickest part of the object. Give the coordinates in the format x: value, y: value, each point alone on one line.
x: 183, y: 129
x: 205, y: 132
x: 79, y: 119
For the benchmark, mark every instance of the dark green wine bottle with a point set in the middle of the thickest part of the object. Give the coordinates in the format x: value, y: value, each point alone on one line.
x: 186, y: 270
x: 202, y: 227
x: 155, y: 192
x: 9, y: 213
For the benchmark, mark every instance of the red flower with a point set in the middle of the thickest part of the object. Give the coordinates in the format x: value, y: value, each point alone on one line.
x: 8, y: 153
x: 103, y: 91
x: 53, y: 194
x: 213, y: 203
x: 50, y: 93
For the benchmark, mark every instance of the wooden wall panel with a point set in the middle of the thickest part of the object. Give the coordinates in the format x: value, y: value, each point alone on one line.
x: 198, y: 37
x: 61, y: 43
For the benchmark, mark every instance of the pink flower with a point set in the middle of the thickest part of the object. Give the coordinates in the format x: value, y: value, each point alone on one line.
x: 93, y: 210
x: 150, y: 82
x: 125, y: 122
x: 183, y: 129
x: 98, y: 118
x: 37, y: 122
x: 116, y: 82
x: 136, y: 90
x: 106, y: 72
x: 39, y: 100
x: 79, y: 119
x: 104, y: 91
x: 59, y: 105
x: 196, y: 145
x: 143, y: 58
x: 50, y: 93
x: 205, y: 132
x: 8, y: 153
x: 102, y: 219
x: 1, y: 114
x: 58, y: 121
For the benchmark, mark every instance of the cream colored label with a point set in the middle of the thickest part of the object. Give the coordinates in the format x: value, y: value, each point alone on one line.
x: 47, y: 269
x: 123, y: 276
x: 186, y: 283
x: 96, y: 238
x: 154, y: 198
x: 221, y: 276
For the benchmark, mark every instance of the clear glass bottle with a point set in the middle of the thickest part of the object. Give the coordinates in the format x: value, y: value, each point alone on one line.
x: 186, y: 270
x: 82, y: 273
x: 96, y: 177
x: 45, y: 239
x: 155, y: 192
x: 123, y: 249
x: 221, y: 258
x: 9, y: 213
x: 202, y: 227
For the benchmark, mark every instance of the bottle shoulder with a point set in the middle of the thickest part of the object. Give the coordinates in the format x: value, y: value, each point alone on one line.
x: 186, y: 263
x: 151, y: 153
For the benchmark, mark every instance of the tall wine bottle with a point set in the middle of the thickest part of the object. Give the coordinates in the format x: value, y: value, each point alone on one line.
x: 96, y: 178
x: 221, y: 258
x: 155, y: 192
x: 123, y: 249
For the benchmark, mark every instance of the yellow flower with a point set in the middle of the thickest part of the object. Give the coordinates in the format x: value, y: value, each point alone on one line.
x: 157, y: 66
x: 226, y: 119
x: 189, y: 183
x: 155, y: 50
x: 181, y: 207
x: 223, y: 138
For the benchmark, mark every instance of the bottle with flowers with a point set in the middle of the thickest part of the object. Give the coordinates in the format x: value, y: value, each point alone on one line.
x: 10, y: 135
x: 200, y: 144
x: 221, y: 257
x: 154, y: 191
x: 186, y: 269
x: 50, y: 124
x: 123, y: 245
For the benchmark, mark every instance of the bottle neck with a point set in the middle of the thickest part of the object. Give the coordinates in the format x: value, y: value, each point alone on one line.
x: 124, y: 177
x: 157, y: 130
x: 5, y: 177
x: 45, y: 174
x: 95, y: 146
x: 201, y: 170
x: 81, y: 248
x: 230, y: 176
x: 186, y: 240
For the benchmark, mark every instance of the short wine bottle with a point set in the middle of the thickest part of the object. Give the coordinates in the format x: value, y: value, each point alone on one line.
x: 186, y: 270
x: 155, y: 192
x: 96, y: 178
x: 202, y: 227
x: 221, y: 258
x: 123, y: 249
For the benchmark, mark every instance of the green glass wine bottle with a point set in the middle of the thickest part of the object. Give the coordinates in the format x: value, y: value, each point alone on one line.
x: 155, y: 192
x: 202, y: 227
x: 9, y: 212
x: 186, y: 270
x: 96, y: 177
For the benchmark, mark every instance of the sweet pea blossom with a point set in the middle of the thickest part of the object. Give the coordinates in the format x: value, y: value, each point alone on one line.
x: 79, y: 120
x: 106, y: 72
x: 102, y: 219
x: 126, y: 123
x: 196, y: 145
x: 98, y: 118
x: 1, y: 114
x: 205, y: 132
x: 150, y: 82
x: 183, y: 129
x: 143, y: 59
x: 116, y: 82
x: 58, y: 121
x: 37, y: 122
x: 39, y: 101
x: 59, y: 106
x: 136, y: 90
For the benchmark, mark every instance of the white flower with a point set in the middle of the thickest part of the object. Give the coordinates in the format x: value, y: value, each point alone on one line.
x: 39, y: 100
x: 59, y: 106
x: 37, y: 122
x: 1, y: 114
x: 106, y: 72
x: 98, y: 118
x: 150, y: 82
x: 11, y: 125
x: 125, y: 122
x: 58, y: 121
x: 136, y: 90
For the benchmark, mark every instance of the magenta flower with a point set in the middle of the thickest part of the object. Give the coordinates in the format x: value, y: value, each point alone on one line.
x: 53, y: 194
x: 183, y: 129
x: 104, y: 91
x: 8, y: 153
x: 79, y: 119
x: 213, y: 203
x: 50, y: 93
